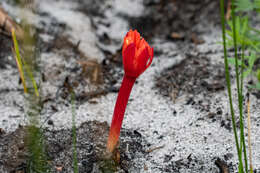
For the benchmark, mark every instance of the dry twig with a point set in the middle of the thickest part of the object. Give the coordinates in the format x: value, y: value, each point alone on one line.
x: 155, y: 148
x: 228, y: 13
x: 249, y: 133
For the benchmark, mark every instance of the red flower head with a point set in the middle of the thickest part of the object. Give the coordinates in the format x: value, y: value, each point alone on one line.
x: 137, y: 54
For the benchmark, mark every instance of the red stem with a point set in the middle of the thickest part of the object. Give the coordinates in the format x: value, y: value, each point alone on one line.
x: 119, y: 111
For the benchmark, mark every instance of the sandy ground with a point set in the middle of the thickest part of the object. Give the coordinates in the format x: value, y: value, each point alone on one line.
x: 185, y: 133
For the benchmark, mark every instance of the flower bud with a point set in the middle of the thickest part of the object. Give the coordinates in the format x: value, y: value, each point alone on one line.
x: 137, y: 54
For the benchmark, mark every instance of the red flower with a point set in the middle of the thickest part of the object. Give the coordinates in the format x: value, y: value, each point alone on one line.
x: 137, y: 54
x: 137, y: 57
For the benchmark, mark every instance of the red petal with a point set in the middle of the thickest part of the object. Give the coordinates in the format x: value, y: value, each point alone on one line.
x: 127, y: 40
x: 137, y: 38
x: 150, y: 49
x: 141, y: 59
x: 128, y: 58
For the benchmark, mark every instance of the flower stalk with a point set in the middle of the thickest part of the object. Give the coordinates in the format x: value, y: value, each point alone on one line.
x: 119, y: 111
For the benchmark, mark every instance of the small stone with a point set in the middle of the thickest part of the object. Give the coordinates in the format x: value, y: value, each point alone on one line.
x: 50, y: 122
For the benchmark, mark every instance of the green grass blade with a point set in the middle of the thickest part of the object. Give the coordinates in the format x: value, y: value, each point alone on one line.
x: 29, y: 71
x: 20, y: 63
x: 18, y: 60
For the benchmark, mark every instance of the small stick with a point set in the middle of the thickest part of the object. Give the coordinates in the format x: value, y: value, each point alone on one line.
x: 155, y: 148
x: 249, y: 133
x: 228, y: 13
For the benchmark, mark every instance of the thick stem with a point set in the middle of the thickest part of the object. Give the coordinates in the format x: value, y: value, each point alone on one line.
x: 119, y: 112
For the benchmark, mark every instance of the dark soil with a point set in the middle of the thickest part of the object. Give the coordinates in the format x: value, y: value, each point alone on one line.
x: 192, y: 161
x: 91, y: 141
x: 193, y: 75
x: 182, y: 17
x: 5, y: 50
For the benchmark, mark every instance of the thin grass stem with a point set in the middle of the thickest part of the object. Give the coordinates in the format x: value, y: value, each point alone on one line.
x: 240, y: 95
x: 227, y: 75
x: 18, y: 60
x: 242, y: 137
x: 28, y: 70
